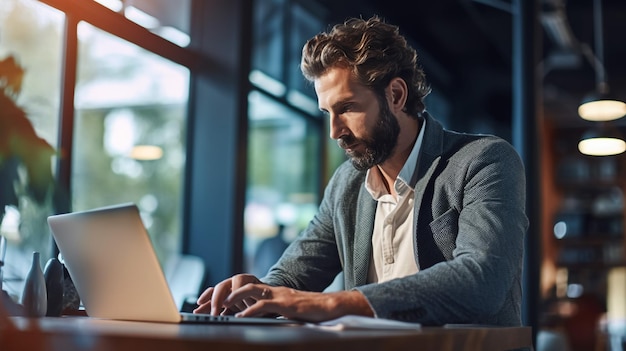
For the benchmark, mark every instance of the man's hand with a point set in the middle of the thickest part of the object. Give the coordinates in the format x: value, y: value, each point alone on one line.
x: 212, y: 299
x: 245, y: 296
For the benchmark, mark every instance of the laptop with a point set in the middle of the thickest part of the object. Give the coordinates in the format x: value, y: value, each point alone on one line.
x: 110, y: 258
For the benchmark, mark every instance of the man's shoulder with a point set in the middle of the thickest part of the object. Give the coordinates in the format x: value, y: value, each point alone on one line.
x: 472, y: 143
x: 346, y: 176
x: 347, y: 171
x: 450, y: 142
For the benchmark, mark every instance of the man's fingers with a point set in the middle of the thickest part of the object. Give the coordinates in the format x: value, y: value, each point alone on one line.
x: 212, y: 300
x: 248, y: 294
x: 204, y: 301
x: 220, y: 293
x: 258, y: 309
x: 239, y: 306
x: 229, y: 311
x: 262, y: 308
x: 205, y: 296
x: 203, y: 308
x: 240, y: 280
x: 266, y: 293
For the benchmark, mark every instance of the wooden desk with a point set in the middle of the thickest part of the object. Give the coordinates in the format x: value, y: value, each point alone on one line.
x: 82, y: 333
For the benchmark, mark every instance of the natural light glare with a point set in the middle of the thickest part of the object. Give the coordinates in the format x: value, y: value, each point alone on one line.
x: 306, y: 103
x: 264, y: 111
x: 119, y: 132
x: 145, y: 81
x: 174, y: 35
x: 149, y: 203
x: 267, y: 83
x: 18, y: 11
x: 259, y: 220
x: 141, y: 18
x: 10, y: 224
x: 149, y: 22
x: 31, y: 33
x: 126, y: 166
x: 114, y: 5
x: 286, y: 213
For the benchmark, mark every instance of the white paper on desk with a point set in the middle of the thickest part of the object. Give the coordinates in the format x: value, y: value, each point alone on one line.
x: 351, y: 322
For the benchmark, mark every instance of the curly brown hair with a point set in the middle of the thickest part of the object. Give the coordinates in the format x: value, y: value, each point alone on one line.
x: 376, y: 53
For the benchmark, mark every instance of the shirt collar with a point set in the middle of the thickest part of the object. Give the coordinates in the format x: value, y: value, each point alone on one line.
x: 407, y: 171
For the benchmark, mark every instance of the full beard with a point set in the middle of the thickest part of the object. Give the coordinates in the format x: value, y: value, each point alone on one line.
x: 379, y: 144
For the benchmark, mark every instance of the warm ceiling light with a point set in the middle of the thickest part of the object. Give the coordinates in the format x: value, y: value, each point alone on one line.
x: 602, y: 141
x: 601, y: 107
x: 146, y: 152
x: 602, y: 146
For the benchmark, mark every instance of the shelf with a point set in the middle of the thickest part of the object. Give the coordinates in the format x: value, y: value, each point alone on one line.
x: 584, y: 199
x: 591, y: 265
x: 591, y: 239
x: 588, y: 185
x: 598, y: 255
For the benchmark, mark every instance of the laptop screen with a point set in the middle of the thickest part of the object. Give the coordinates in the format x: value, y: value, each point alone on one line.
x: 111, y: 260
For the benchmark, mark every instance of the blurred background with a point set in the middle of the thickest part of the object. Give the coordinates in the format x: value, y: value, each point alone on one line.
x: 197, y: 112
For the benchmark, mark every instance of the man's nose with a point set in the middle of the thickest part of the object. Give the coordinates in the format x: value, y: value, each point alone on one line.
x: 337, y: 127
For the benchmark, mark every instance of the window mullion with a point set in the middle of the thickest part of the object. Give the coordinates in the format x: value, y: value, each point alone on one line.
x: 66, y: 130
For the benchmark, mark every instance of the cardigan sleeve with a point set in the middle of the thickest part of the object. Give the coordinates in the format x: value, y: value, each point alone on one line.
x: 313, y: 260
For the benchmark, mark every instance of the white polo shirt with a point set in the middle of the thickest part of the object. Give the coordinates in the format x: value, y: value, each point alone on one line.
x: 393, y: 253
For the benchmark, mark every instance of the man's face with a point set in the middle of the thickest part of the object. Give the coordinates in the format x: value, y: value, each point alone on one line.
x: 362, y: 124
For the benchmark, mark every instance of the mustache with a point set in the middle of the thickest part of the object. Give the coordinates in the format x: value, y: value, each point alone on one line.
x: 345, y: 141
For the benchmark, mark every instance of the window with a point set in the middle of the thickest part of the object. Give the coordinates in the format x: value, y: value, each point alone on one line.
x: 128, y: 131
x: 129, y: 134
x: 269, y: 38
x: 283, y: 177
x: 31, y: 33
x: 124, y: 129
x: 287, y: 161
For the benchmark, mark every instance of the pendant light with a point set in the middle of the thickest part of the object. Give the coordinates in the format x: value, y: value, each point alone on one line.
x: 602, y: 140
x: 600, y: 105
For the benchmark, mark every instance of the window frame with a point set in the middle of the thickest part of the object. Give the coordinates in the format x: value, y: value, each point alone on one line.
x: 119, y: 26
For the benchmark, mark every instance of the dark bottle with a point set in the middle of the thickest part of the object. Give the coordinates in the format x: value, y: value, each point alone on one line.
x: 53, y: 273
x: 35, y: 296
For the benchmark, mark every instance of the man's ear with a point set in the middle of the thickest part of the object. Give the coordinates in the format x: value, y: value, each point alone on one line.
x: 397, y: 92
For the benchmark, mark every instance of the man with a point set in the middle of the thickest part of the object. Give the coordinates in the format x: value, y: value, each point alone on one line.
x: 427, y: 225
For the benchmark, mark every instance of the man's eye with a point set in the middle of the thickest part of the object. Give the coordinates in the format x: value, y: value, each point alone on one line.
x: 346, y: 109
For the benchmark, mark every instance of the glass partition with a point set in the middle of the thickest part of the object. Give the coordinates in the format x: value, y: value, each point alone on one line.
x: 283, y: 183
x: 129, y: 133
x: 289, y: 160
